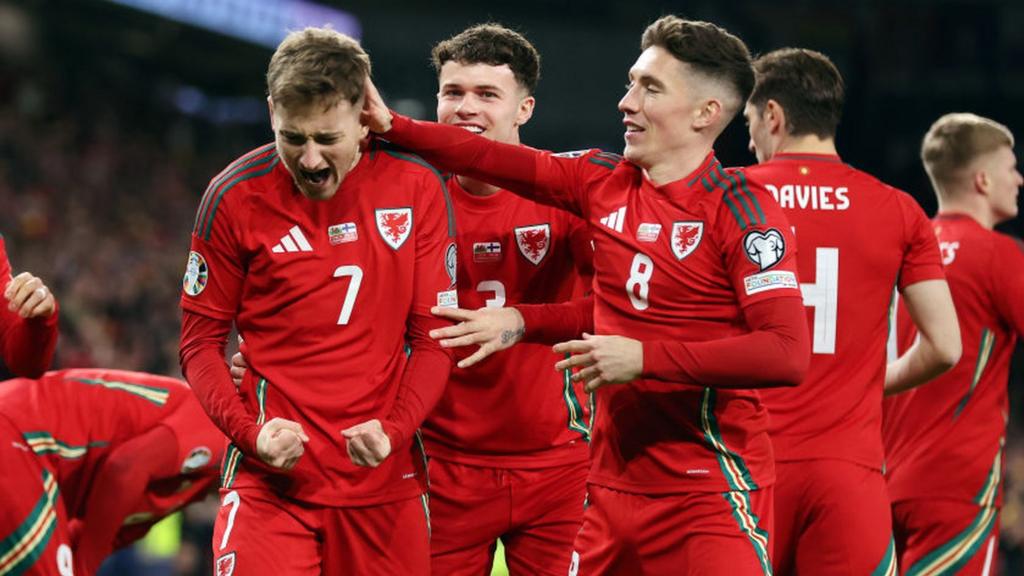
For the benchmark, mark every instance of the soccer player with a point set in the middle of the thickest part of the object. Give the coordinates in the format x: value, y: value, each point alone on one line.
x: 945, y: 441
x: 327, y: 255
x: 92, y: 459
x: 696, y: 302
x: 859, y: 238
x: 28, y: 322
x: 508, y: 439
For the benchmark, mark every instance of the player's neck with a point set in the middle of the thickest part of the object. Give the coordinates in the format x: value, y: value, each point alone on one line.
x: 809, y: 144
x: 679, y: 166
x: 977, y: 211
x: 476, y: 187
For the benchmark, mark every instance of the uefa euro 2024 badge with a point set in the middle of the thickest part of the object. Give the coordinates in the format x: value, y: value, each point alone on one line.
x: 196, y: 274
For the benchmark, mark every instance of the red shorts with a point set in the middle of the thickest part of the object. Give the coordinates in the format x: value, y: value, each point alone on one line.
x: 705, y: 533
x: 831, y: 517
x: 33, y: 522
x: 536, y: 513
x: 946, y: 537
x: 259, y: 533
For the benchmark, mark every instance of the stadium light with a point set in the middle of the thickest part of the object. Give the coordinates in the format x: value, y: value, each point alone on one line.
x: 263, y: 22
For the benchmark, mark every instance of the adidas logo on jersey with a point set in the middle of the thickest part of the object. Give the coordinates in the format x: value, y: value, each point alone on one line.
x: 293, y: 241
x: 615, y: 220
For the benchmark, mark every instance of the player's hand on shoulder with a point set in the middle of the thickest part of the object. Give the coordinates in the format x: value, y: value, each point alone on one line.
x: 375, y: 112
x: 493, y: 329
x: 28, y: 297
x: 368, y: 444
x: 602, y: 360
x: 280, y: 443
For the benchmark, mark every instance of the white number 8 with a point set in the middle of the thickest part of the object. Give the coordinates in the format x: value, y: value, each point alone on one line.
x: 638, y: 284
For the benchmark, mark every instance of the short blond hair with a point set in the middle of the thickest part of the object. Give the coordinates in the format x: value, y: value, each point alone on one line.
x: 317, y: 65
x: 954, y: 141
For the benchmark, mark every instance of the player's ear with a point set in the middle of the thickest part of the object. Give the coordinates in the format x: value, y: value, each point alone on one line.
x: 982, y: 182
x: 708, y: 114
x: 774, y: 116
x: 525, y: 111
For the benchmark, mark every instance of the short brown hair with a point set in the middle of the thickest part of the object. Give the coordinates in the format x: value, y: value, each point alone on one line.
x: 708, y: 49
x: 954, y: 141
x: 494, y: 45
x: 806, y: 84
x: 317, y: 65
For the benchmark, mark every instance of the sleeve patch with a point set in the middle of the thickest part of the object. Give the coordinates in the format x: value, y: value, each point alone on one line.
x: 766, y: 249
x: 770, y: 281
x: 196, y: 274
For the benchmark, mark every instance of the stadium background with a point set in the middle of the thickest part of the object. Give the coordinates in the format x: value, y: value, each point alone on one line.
x: 113, y: 119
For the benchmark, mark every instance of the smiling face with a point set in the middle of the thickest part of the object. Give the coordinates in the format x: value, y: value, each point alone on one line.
x: 483, y: 99
x: 658, y: 109
x: 318, y: 146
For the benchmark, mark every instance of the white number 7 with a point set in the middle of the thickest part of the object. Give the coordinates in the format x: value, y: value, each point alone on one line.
x: 231, y: 499
x: 353, y: 288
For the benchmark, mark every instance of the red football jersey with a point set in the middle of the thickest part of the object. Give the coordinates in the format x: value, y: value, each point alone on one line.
x: 199, y: 448
x: 513, y: 409
x: 26, y: 346
x: 859, y: 240
x: 73, y: 418
x: 672, y: 263
x: 326, y: 294
x: 945, y: 439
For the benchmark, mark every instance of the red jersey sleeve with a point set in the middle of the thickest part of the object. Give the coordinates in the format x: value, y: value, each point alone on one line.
x: 757, y: 244
x: 27, y: 345
x: 560, y: 180
x: 776, y: 352
x: 554, y: 323
x: 1008, y: 282
x: 118, y: 485
x: 211, y: 292
x: 427, y: 372
x: 921, y: 260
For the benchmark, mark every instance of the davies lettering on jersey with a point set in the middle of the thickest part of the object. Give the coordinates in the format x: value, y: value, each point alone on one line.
x: 794, y: 196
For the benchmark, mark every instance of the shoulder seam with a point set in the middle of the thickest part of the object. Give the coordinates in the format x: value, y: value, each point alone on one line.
x: 409, y: 157
x: 238, y: 166
x: 205, y: 229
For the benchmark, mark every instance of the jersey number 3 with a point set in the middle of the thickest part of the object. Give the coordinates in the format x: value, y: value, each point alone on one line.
x: 823, y: 297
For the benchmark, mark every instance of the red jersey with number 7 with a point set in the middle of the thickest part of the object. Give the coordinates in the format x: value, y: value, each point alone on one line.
x: 327, y: 294
x: 859, y: 240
